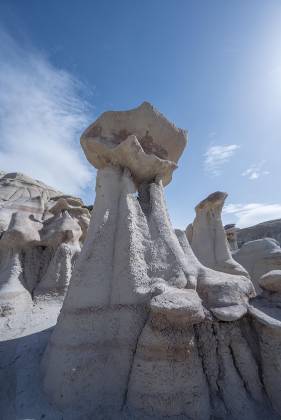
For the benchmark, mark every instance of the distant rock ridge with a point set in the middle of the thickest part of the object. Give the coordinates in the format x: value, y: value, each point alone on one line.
x: 267, y: 229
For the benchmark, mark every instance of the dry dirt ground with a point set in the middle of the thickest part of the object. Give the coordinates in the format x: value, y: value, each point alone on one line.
x: 23, y: 339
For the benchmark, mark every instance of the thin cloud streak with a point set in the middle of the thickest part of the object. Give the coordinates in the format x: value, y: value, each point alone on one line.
x: 42, y: 113
x: 217, y: 156
x: 252, y: 213
x: 255, y: 171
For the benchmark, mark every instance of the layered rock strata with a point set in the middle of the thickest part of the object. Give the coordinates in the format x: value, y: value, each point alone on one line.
x: 131, y: 297
x: 40, y: 234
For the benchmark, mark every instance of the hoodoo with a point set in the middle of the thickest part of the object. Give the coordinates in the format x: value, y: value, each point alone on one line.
x: 208, y: 239
x: 40, y: 234
x: 146, y: 330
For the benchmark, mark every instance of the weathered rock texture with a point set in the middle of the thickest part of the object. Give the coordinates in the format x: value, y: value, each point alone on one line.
x: 266, y: 313
x: 269, y: 229
x: 207, y: 236
x: 125, y: 337
x: 231, y: 236
x: 147, y: 331
x: 40, y: 234
x: 259, y: 257
x: 141, y: 139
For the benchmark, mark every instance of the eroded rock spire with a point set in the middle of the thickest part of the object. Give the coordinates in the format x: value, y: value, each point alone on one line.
x: 140, y: 332
x: 208, y: 239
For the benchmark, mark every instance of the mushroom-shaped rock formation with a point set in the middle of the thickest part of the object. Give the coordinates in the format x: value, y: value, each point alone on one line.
x: 146, y: 330
x: 208, y: 239
x: 40, y: 234
x: 141, y: 139
x: 259, y: 257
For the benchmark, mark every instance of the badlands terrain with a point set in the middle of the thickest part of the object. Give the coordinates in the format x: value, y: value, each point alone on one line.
x: 115, y: 314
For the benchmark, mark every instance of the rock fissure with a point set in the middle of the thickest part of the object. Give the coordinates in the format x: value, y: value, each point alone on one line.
x: 125, y: 398
x: 204, y: 365
x: 220, y: 375
x: 236, y: 366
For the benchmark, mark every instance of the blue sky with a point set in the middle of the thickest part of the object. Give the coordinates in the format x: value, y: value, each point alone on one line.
x: 212, y: 67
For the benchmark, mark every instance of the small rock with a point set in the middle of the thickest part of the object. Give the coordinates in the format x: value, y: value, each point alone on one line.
x: 271, y: 281
x: 229, y: 313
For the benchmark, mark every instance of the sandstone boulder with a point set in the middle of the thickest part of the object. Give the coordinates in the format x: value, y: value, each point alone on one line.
x: 259, y: 257
x: 271, y: 281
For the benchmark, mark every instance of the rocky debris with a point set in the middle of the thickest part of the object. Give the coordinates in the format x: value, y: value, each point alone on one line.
x: 207, y: 237
x: 268, y: 229
x: 40, y: 234
x: 259, y: 257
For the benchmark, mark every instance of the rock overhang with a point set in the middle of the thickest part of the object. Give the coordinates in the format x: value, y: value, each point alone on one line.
x: 141, y: 139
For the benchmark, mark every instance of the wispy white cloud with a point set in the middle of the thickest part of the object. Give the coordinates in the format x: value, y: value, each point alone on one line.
x: 42, y: 113
x: 217, y: 156
x: 255, y: 171
x: 252, y: 213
